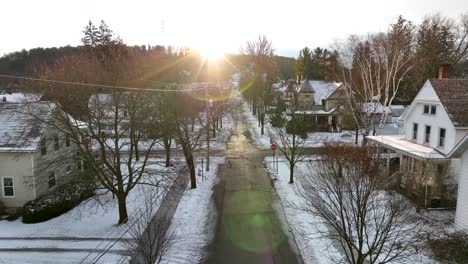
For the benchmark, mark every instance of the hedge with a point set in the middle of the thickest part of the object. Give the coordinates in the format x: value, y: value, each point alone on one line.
x: 58, y: 202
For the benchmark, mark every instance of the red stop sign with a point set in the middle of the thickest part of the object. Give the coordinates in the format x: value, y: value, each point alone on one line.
x: 273, y: 147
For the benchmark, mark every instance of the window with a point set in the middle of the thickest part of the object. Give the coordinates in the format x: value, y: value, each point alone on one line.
x: 82, y: 165
x: 52, y: 180
x: 415, y: 131
x: 427, y: 136
x: 426, y: 109
x: 56, y: 142
x: 430, y: 109
x: 43, y: 147
x: 67, y: 140
x: 442, y: 137
x: 69, y: 168
x: 8, y: 187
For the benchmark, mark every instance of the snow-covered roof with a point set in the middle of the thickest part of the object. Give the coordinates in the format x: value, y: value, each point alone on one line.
x: 306, y: 87
x: 323, y: 90
x: 397, y: 107
x: 19, y: 97
x: 460, y: 148
x: 399, y: 143
x: 375, y: 107
x: 316, y: 112
x: 22, y: 125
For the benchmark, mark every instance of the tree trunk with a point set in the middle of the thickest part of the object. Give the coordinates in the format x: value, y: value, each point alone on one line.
x: 262, y: 123
x: 137, y: 153
x: 291, y: 172
x: 122, y: 201
x: 254, y: 106
x: 356, y: 141
x: 167, y: 149
x: 191, y: 165
x: 214, y: 129
x: 221, y: 121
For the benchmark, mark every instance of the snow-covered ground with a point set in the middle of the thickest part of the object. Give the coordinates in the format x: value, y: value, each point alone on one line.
x: 193, y: 221
x: 314, y: 139
x: 92, y: 223
x: 222, y: 135
x: 305, y: 227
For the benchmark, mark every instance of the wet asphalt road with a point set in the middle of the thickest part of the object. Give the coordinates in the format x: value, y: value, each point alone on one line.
x: 248, y: 228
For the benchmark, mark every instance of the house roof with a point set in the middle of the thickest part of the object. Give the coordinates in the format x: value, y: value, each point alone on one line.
x: 323, y: 90
x: 22, y: 125
x: 19, y: 97
x: 453, y: 94
x: 306, y: 87
x: 399, y: 143
x: 318, y: 112
x: 460, y: 148
x: 375, y: 107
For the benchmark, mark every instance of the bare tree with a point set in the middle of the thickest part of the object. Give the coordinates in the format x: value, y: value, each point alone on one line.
x: 264, y: 68
x: 373, y: 71
x: 189, y: 136
x: 150, y: 236
x: 348, y: 189
x: 291, y: 144
x: 107, y: 125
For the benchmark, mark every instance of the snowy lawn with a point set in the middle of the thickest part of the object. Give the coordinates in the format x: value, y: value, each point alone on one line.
x: 314, y: 139
x: 95, y: 218
x: 194, y: 220
x: 305, y: 227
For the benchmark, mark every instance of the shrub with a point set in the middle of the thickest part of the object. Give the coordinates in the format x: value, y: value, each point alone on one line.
x: 60, y: 201
x: 452, y: 248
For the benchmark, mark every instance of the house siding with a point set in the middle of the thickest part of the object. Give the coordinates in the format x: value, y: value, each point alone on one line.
x: 427, y: 96
x: 54, y: 161
x: 19, y: 167
x: 461, y: 217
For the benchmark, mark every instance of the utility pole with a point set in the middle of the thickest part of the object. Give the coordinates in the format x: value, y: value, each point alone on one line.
x: 207, y: 130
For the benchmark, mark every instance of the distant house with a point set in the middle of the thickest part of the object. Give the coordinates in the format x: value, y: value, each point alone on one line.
x: 432, y: 125
x: 107, y: 111
x: 461, y: 151
x: 35, y: 156
x: 321, y: 104
x: 19, y: 97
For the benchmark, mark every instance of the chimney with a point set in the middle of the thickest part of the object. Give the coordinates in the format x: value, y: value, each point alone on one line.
x: 444, y: 71
x: 302, y: 77
x: 4, y: 99
x: 298, y: 80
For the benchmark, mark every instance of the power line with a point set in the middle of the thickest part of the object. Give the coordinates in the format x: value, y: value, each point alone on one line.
x: 110, y: 86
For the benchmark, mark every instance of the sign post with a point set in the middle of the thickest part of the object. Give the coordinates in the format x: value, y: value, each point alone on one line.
x: 273, y: 148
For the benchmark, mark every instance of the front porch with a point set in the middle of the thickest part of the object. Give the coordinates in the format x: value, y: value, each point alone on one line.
x: 320, y: 120
x: 419, y: 172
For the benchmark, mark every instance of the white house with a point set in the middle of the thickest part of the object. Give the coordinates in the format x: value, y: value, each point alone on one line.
x: 461, y: 151
x: 431, y: 126
x: 35, y: 156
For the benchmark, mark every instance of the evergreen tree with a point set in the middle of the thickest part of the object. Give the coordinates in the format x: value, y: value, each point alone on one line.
x: 304, y: 64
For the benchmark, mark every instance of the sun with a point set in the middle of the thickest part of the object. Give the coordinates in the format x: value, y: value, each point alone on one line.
x: 211, y: 52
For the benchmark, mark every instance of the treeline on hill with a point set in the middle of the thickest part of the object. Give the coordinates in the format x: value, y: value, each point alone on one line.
x: 161, y: 64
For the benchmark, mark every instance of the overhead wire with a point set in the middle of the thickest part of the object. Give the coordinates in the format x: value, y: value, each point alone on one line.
x: 127, y: 88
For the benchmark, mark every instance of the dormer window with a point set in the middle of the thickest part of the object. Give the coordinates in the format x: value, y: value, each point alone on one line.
x: 430, y: 109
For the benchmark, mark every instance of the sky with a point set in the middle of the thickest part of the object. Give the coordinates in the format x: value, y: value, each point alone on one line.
x: 209, y: 24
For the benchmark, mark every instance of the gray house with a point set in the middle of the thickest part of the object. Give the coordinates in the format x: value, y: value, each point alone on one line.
x: 35, y: 154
